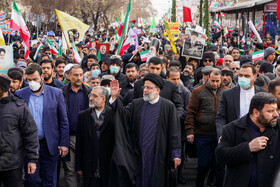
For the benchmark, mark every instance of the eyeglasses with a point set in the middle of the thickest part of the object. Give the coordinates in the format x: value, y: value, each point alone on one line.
x: 235, y: 68
x: 148, y: 87
x: 208, y: 61
x: 92, y: 95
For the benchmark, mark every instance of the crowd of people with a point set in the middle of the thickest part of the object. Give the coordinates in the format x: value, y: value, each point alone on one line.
x: 124, y: 121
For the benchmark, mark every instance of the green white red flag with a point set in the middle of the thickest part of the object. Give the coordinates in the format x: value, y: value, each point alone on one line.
x: 52, y: 47
x: 217, y: 24
x: 125, y: 27
x: 226, y: 32
x: 76, y: 55
x: 144, y: 55
x: 18, y: 23
x: 258, y: 55
x: 37, y: 51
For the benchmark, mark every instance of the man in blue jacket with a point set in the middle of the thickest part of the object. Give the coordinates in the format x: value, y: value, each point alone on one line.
x: 48, y: 109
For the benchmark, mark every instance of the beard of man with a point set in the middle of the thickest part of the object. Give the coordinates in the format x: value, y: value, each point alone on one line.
x: 226, y: 82
x: 48, y: 77
x: 94, y: 105
x: 149, y: 97
x: 132, y: 79
x: 267, y: 123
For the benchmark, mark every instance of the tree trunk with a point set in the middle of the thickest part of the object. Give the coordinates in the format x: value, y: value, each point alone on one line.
x: 200, y: 12
x: 206, y: 16
x: 173, y: 11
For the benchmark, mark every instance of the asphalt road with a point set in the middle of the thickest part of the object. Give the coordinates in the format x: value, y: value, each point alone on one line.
x: 189, y: 173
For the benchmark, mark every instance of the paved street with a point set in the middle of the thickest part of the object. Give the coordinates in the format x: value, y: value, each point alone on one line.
x: 189, y: 173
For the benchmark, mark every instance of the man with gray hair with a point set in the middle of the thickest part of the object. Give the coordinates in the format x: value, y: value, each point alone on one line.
x: 95, y: 139
x: 227, y: 61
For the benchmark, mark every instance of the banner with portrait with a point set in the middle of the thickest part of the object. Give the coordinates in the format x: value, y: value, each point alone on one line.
x: 6, y: 58
x: 104, y: 48
x: 193, y: 45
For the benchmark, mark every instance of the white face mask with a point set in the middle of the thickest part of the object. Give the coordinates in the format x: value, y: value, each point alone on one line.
x: 35, y: 86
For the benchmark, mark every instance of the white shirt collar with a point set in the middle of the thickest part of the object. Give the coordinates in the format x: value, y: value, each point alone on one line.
x: 154, y: 101
x: 98, y: 112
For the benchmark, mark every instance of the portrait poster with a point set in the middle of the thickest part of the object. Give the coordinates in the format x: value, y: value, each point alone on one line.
x: 193, y: 45
x: 104, y: 48
x: 6, y: 58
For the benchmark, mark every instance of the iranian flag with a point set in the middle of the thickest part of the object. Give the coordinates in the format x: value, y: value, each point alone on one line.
x: 143, y: 31
x: 125, y: 27
x: 76, y: 55
x: 187, y: 5
x: 119, y: 32
x: 231, y: 29
x: 129, y: 41
x: 144, y: 55
x: 226, y: 32
x: 217, y: 24
x: 258, y: 55
x: 223, y: 14
x: 52, y: 47
x: 18, y: 23
x: 37, y: 51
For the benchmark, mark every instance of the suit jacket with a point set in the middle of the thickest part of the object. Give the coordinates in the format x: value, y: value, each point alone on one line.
x: 55, y: 121
x: 233, y: 151
x: 229, y: 107
x: 90, y: 149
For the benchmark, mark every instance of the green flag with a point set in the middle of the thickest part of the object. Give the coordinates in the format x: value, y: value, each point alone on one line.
x: 153, y: 25
x: 125, y: 26
x: 60, y: 50
x: 99, y: 56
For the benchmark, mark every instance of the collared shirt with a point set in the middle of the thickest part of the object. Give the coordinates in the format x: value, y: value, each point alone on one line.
x: 245, y: 99
x: 76, y: 103
x: 36, y: 105
x: 98, y: 117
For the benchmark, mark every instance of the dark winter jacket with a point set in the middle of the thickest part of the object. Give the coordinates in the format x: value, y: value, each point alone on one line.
x: 19, y: 132
x: 234, y: 152
x: 202, y: 110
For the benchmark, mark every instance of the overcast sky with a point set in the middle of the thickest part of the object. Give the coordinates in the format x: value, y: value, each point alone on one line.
x: 161, y: 6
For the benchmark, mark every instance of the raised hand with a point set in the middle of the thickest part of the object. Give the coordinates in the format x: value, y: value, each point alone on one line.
x: 115, y: 89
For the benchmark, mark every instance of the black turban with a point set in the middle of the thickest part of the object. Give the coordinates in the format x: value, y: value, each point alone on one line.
x: 154, y: 78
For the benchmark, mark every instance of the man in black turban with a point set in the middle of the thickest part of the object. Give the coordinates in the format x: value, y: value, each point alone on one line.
x: 147, y: 136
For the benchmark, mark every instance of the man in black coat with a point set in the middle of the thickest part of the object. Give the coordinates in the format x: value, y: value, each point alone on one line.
x: 151, y: 139
x: 235, y: 102
x: 95, y: 140
x: 169, y: 90
x: 18, y: 137
x: 132, y: 74
x: 249, y: 146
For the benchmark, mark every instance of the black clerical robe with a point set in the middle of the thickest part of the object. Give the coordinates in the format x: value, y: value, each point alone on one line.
x: 126, y: 159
